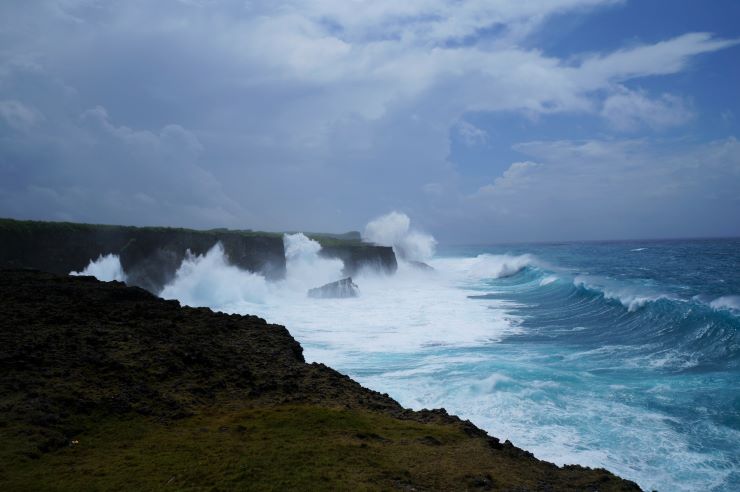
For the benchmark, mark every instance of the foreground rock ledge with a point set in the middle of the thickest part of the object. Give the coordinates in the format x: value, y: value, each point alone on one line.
x: 108, y: 387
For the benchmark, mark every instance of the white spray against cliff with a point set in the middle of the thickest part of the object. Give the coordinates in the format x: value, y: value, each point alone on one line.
x: 394, y: 229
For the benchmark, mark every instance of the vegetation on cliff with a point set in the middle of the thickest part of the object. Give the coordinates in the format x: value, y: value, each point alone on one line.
x: 106, y: 387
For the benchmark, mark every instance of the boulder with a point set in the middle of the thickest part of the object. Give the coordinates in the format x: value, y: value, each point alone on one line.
x: 420, y: 265
x: 339, y: 289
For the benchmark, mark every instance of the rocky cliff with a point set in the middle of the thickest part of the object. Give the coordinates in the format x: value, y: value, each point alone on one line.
x: 150, y: 256
x: 361, y: 255
x: 106, y: 387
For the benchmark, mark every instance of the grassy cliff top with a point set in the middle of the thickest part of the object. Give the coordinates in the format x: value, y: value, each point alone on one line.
x: 107, y: 387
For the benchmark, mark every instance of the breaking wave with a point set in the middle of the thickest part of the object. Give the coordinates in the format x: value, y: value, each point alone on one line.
x: 730, y: 303
x: 486, y: 266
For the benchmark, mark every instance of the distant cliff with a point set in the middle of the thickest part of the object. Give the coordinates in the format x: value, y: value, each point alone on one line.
x: 150, y: 256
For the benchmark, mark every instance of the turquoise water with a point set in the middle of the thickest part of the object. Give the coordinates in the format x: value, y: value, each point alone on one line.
x: 626, y: 355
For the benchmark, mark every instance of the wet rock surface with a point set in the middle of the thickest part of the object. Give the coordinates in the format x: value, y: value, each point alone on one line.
x: 420, y: 265
x: 335, y: 290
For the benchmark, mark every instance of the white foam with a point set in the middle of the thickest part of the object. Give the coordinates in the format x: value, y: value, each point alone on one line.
x: 485, y: 266
x: 562, y: 421
x: 548, y: 280
x: 411, y: 311
x: 631, y: 297
x: 106, y: 268
x: 731, y: 303
x: 398, y: 314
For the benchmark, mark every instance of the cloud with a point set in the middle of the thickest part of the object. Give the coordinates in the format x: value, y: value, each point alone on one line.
x: 113, y: 173
x: 18, y: 116
x: 628, y: 110
x: 514, y: 180
x: 287, y: 115
x: 470, y: 134
x: 662, y: 58
x: 600, y: 189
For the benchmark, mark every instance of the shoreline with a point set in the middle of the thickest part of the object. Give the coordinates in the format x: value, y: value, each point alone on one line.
x: 81, y: 355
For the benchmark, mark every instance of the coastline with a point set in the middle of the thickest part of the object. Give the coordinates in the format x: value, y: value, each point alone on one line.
x: 105, y: 379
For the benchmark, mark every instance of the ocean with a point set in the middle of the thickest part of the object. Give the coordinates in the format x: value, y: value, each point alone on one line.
x: 623, y: 355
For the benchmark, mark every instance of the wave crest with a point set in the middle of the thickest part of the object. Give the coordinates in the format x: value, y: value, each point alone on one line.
x: 631, y: 297
x: 728, y: 303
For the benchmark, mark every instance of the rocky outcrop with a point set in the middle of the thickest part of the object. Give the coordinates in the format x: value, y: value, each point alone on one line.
x: 335, y: 290
x: 358, y: 256
x: 420, y: 265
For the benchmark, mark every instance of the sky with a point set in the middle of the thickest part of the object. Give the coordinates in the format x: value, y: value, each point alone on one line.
x: 482, y: 120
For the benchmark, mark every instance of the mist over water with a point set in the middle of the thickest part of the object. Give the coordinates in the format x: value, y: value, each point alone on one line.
x: 617, y: 355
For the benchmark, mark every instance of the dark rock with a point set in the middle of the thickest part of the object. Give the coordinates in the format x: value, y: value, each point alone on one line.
x: 359, y: 256
x: 420, y: 265
x: 150, y: 256
x: 335, y: 290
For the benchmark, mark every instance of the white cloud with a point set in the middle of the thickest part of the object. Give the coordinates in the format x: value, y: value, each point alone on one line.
x: 662, y: 58
x: 631, y: 110
x: 470, y: 134
x: 514, y: 180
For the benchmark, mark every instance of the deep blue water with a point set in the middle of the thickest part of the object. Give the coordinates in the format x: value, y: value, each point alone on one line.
x: 645, y: 330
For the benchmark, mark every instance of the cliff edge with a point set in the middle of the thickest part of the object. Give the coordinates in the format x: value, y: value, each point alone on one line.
x: 150, y: 256
x: 107, y: 387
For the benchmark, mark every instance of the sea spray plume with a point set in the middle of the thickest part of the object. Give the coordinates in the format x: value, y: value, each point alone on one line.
x: 730, y: 303
x: 394, y: 229
x: 209, y: 280
x: 300, y: 246
x: 105, y: 268
x: 306, y: 268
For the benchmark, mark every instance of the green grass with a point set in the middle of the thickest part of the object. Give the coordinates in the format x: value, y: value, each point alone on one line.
x: 289, y: 447
x: 272, y: 448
